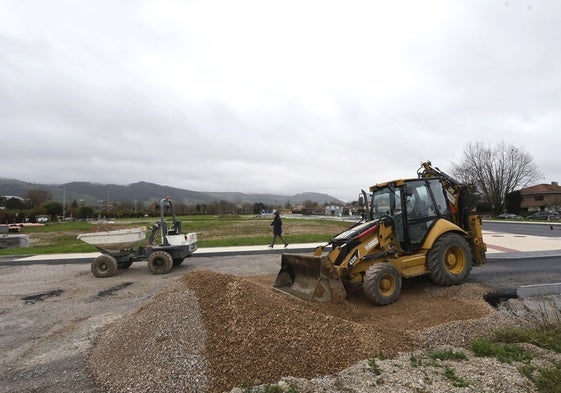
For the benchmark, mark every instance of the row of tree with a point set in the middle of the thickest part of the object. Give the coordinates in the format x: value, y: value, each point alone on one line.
x: 30, y: 208
x: 492, y: 174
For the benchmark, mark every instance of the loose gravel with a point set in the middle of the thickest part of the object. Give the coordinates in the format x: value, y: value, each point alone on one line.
x: 159, y: 345
x: 196, y: 330
x: 212, y: 332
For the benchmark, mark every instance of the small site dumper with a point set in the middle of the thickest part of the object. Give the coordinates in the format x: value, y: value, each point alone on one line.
x: 165, y: 247
x: 413, y: 227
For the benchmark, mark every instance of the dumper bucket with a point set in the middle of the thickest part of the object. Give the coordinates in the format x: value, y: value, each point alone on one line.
x: 309, y: 278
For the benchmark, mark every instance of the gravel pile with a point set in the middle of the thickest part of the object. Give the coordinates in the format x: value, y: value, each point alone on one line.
x: 155, y: 349
x: 417, y: 371
x: 257, y: 335
x: 237, y: 332
x: 212, y: 332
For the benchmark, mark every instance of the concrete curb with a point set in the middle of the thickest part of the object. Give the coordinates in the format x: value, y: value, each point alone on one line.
x: 296, y: 249
x: 523, y: 255
x: 528, y: 291
x: 61, y: 259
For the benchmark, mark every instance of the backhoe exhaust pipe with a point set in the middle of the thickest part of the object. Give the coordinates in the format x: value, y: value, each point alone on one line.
x: 309, y: 278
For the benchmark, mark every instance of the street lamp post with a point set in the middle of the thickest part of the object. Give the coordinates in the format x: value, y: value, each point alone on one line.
x: 63, y: 202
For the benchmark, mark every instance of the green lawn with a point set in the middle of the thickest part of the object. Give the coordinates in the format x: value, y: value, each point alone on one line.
x: 212, y: 231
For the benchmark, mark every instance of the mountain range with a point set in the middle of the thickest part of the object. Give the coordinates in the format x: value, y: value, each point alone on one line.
x: 143, y: 192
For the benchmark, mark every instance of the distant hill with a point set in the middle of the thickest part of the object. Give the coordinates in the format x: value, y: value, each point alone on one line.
x: 143, y: 192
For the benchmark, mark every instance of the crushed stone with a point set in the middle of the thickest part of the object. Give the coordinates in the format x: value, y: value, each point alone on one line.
x: 212, y: 332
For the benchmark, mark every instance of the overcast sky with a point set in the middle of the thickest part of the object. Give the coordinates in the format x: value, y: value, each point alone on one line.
x: 273, y: 96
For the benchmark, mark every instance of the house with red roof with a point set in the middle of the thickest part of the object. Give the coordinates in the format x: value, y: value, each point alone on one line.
x: 541, y: 197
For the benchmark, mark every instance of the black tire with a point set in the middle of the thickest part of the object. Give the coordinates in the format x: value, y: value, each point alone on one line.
x: 160, y: 262
x: 449, y: 260
x: 104, y: 266
x: 178, y: 261
x: 124, y: 265
x: 382, y: 283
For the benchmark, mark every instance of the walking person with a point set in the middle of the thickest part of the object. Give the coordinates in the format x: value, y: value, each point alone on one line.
x: 277, y: 229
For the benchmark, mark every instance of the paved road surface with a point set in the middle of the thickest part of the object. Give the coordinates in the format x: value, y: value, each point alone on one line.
x: 518, y: 254
x: 547, y: 229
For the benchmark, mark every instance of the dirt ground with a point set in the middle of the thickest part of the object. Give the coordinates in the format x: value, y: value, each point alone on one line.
x: 51, y: 314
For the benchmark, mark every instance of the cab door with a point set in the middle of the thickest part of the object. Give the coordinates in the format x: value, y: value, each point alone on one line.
x: 420, y: 212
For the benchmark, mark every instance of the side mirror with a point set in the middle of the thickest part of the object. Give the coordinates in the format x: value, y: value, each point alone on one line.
x: 360, y: 200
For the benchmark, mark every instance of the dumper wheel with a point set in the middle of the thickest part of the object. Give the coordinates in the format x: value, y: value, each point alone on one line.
x: 160, y: 262
x: 382, y: 283
x: 449, y: 260
x: 104, y: 266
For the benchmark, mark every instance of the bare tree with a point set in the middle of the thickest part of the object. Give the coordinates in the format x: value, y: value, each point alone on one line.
x: 496, y: 171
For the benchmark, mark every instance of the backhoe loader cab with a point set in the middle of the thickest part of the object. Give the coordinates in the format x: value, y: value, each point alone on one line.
x: 413, y: 206
x: 413, y: 227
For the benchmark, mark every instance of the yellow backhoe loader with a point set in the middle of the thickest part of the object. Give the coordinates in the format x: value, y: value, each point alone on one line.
x: 412, y: 227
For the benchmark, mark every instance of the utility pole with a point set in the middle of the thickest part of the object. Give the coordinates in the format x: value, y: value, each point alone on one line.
x: 63, y: 202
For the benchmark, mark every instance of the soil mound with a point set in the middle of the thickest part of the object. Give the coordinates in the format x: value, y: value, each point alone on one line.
x: 258, y: 335
x: 210, y: 332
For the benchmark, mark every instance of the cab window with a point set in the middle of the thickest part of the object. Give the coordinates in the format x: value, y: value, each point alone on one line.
x: 385, y: 202
x: 419, y: 202
x: 442, y: 206
x: 421, y: 212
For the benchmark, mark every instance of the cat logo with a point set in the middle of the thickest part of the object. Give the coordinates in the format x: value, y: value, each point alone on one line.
x: 353, y: 260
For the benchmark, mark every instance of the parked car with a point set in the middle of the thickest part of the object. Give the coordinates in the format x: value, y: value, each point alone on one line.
x: 509, y: 216
x: 544, y: 215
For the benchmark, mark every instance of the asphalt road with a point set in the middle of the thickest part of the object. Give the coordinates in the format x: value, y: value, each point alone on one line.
x: 500, y: 274
x: 541, y: 228
x: 504, y: 275
x: 504, y: 272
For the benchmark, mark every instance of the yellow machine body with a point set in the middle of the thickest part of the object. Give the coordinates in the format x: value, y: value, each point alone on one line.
x: 393, y: 243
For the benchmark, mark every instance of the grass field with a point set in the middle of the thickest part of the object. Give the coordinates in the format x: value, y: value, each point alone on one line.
x: 212, y: 231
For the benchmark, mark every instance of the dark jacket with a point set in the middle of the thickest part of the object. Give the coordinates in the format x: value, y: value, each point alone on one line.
x: 277, y: 225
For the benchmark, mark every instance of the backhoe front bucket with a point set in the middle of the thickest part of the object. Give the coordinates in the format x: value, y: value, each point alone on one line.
x: 309, y: 278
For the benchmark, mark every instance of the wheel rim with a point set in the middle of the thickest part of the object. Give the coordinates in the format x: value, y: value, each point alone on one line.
x: 103, y: 266
x: 455, y: 260
x: 387, y: 284
x: 158, y: 262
